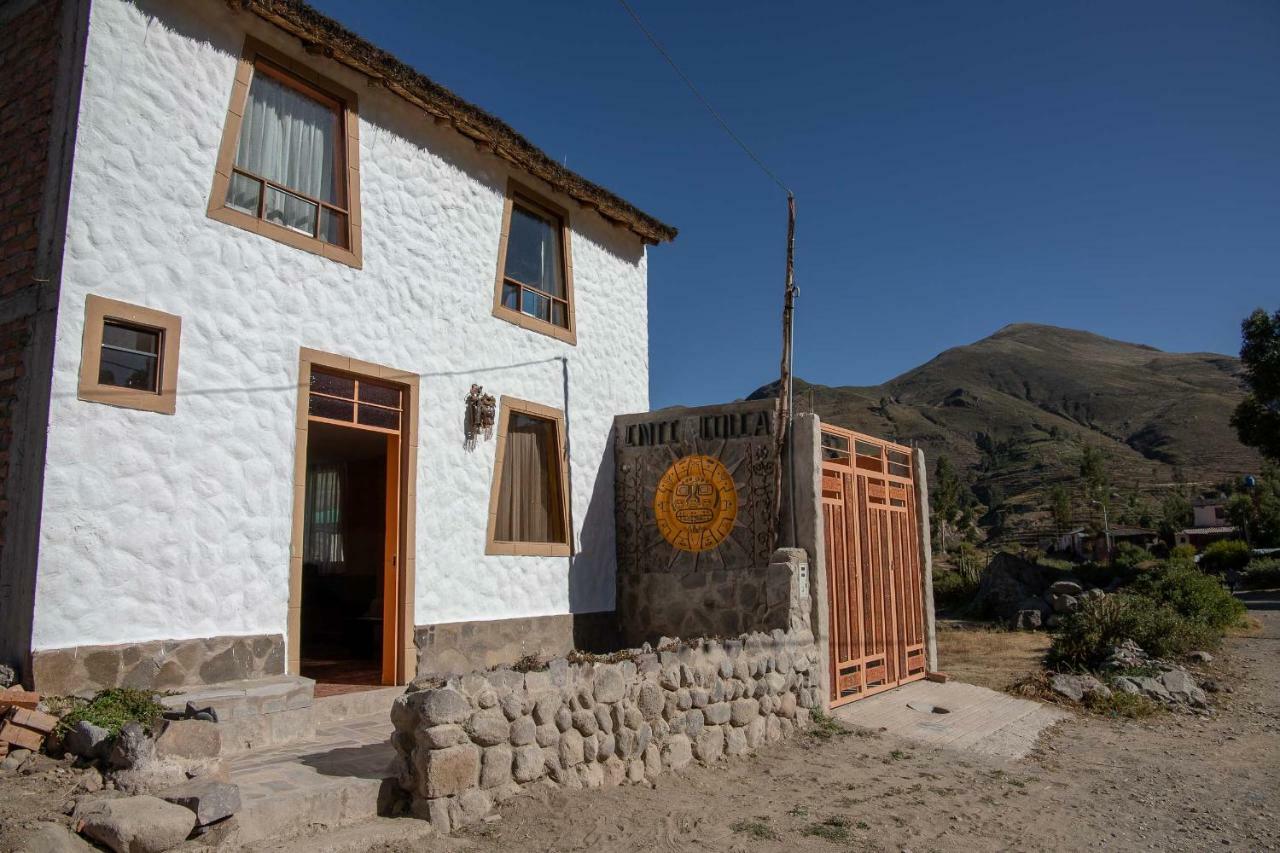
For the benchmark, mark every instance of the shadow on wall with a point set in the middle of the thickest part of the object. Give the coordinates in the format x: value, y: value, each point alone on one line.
x: 592, y: 569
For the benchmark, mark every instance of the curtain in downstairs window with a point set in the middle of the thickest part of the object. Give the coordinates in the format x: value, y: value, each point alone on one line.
x: 530, y: 508
x: 322, y: 518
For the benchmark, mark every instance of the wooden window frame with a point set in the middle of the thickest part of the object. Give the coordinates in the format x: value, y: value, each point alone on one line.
x: 295, y: 74
x: 493, y: 546
x: 539, y: 204
x: 97, y: 311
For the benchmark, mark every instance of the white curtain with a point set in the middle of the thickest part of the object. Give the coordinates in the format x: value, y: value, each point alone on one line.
x: 322, y: 518
x: 289, y: 138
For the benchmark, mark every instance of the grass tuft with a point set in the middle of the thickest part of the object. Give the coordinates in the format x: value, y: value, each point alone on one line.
x: 835, y: 828
x: 825, y: 727
x: 111, y: 709
x: 758, y: 828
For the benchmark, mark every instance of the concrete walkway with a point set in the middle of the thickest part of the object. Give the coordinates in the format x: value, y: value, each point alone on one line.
x: 339, y: 777
x: 976, y: 719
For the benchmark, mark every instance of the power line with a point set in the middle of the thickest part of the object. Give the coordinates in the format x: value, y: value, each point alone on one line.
x: 692, y: 88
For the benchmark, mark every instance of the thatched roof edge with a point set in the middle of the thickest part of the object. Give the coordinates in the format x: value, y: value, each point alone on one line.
x: 323, y: 35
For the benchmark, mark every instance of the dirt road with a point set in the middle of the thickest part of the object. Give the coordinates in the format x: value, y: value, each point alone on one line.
x: 1172, y: 783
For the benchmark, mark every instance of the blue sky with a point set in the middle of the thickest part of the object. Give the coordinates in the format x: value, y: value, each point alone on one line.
x: 958, y: 165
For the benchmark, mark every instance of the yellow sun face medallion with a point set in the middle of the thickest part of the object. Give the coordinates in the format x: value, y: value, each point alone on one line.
x: 696, y: 503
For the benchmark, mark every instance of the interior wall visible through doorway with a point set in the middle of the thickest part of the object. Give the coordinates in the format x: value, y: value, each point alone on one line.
x: 406, y: 654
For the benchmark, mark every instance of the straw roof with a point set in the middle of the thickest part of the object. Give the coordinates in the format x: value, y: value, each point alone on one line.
x: 325, y: 36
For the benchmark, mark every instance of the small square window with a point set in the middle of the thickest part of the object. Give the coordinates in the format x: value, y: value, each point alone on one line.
x: 129, y: 356
x: 535, y: 269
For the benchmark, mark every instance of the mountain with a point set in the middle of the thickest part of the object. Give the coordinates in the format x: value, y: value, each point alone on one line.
x: 1014, y: 410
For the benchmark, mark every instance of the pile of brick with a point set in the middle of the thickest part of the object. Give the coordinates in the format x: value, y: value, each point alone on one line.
x: 21, y: 725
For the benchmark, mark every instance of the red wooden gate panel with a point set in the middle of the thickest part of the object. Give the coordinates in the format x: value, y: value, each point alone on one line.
x: 874, y: 585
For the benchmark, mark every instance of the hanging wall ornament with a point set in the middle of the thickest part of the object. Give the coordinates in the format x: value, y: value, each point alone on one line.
x: 481, y: 411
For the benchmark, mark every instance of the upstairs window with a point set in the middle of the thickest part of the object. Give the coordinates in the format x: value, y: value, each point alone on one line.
x: 284, y: 170
x: 529, y: 503
x: 535, y: 281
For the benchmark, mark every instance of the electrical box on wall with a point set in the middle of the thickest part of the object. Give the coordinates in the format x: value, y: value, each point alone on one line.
x: 804, y: 578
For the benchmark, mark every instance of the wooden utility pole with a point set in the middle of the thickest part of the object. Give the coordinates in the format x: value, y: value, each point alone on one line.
x: 786, y: 391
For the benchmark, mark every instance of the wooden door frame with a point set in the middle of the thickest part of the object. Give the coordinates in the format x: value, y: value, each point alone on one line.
x: 404, y: 664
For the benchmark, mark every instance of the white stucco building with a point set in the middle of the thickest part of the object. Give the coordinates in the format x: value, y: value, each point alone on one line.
x: 272, y: 262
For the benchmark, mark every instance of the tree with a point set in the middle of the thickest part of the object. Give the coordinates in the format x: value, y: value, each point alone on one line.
x: 947, y: 497
x: 1257, y: 418
x: 1256, y: 511
x: 1093, y: 471
x: 1060, y: 508
x: 1175, y: 515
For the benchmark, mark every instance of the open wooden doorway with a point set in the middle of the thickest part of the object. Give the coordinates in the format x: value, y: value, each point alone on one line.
x: 351, y: 572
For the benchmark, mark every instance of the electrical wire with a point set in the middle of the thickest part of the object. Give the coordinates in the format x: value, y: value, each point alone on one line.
x: 702, y: 98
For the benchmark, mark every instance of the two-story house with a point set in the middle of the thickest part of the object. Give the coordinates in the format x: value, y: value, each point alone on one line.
x: 253, y: 266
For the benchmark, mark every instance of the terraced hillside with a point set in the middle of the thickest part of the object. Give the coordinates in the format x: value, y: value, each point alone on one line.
x: 1014, y: 410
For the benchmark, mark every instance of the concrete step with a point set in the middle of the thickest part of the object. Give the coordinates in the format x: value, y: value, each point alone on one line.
x: 355, y: 838
x: 338, y: 777
x: 348, y: 706
x: 257, y: 713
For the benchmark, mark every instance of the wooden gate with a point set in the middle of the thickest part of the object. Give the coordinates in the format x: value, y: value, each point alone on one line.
x: 874, y: 582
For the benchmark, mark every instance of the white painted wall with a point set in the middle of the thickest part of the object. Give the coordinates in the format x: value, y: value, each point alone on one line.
x: 160, y: 526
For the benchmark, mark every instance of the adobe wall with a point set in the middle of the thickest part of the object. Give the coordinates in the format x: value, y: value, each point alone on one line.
x: 484, y: 737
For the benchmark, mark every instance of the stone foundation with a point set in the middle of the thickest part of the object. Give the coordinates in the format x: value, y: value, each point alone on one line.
x: 587, y: 721
x: 453, y: 648
x: 159, y: 665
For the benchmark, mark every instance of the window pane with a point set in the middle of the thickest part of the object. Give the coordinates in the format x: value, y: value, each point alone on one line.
x: 533, y: 251
x: 289, y: 138
x: 535, y: 304
x: 243, y: 192
x: 131, y: 338
x: 374, y: 416
x: 530, y: 506
x: 328, y: 383
x: 290, y: 211
x: 558, y: 315
x: 383, y: 395
x: 325, y: 407
x: 129, y: 370
x: 333, y: 227
x: 511, y: 297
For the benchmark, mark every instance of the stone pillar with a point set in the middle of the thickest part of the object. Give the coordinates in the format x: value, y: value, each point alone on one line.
x: 806, y: 438
x: 926, y: 563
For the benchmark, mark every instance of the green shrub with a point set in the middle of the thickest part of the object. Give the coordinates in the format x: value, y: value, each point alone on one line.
x: 1192, y: 594
x: 1224, y: 556
x: 1183, y: 554
x: 112, y: 708
x: 1128, y: 557
x: 1085, y: 637
x: 952, y: 587
x: 1263, y: 574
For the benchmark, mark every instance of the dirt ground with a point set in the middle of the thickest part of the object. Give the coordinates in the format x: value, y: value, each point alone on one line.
x: 1170, y: 782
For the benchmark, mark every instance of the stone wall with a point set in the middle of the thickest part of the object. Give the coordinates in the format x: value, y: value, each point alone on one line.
x: 451, y: 648
x: 695, y: 522
x: 482, y: 738
x: 158, y: 665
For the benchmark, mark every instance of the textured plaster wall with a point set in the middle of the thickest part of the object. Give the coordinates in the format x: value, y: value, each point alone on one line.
x: 178, y: 526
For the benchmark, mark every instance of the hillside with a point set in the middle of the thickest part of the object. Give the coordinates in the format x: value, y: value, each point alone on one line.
x: 1013, y: 410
